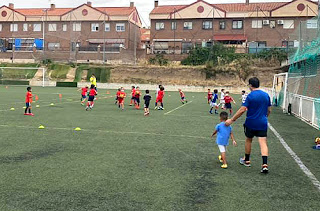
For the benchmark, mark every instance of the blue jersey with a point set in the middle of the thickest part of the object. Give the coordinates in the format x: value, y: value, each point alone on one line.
x: 214, y: 98
x: 257, y: 103
x: 224, y: 133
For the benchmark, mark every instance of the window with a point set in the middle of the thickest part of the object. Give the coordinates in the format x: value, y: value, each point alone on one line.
x: 288, y: 24
x: 64, y: 27
x: 161, y: 46
x: 107, y: 27
x: 76, y: 27
x: 94, y: 27
x: 237, y: 24
x: 0, y: 27
x: 174, y: 25
x: 256, y: 24
x: 25, y: 27
x: 52, y: 27
x: 186, y: 47
x: 289, y: 44
x: 272, y: 24
x: 37, y: 27
x: 187, y: 25
x: 53, y: 46
x: 312, y: 24
x: 159, y: 26
x: 222, y: 25
x: 120, y: 27
x: 13, y: 27
x: 207, y: 25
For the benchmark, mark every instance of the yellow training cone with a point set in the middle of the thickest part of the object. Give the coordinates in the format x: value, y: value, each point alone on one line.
x: 12, y: 109
x: 52, y: 104
x: 77, y: 129
x: 37, y: 106
x: 24, y: 107
x: 41, y: 127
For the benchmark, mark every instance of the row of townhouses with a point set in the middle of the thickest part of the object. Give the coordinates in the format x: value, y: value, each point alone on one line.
x: 174, y: 29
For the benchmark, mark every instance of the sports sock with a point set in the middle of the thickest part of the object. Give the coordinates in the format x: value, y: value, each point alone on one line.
x: 264, y: 159
x: 162, y: 105
x: 30, y: 111
x: 247, y: 157
x: 25, y: 111
x: 211, y: 109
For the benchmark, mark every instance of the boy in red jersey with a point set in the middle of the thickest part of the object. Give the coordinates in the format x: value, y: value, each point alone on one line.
x: 137, y: 95
x: 182, y: 96
x: 133, y: 91
x: 84, y: 91
x: 29, y: 96
x: 92, y: 94
x: 228, y: 99
x: 209, y: 96
x: 121, y: 97
x: 159, y: 99
x: 117, y: 97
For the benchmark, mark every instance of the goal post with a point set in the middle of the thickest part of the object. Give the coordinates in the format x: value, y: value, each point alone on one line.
x: 35, y: 76
x: 279, y: 90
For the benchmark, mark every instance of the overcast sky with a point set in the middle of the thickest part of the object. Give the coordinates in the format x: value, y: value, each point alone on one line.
x: 144, y: 6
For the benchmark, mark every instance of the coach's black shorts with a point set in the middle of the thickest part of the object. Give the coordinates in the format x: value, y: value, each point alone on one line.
x: 228, y: 105
x: 91, y: 98
x: 252, y: 133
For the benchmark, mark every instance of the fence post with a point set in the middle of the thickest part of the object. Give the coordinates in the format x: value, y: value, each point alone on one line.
x: 300, y: 107
x: 313, y: 113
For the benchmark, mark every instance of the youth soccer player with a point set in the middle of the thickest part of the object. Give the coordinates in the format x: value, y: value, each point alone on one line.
x: 122, y: 96
x: 147, y: 99
x: 157, y: 90
x: 93, y: 81
x: 209, y: 96
x: 228, y: 99
x: 92, y: 94
x: 133, y: 91
x: 84, y: 91
x: 182, y: 96
x: 213, y: 102
x: 29, y: 96
x: 117, y: 97
x: 159, y: 100
x: 224, y: 133
x: 137, y: 95
x: 222, y: 102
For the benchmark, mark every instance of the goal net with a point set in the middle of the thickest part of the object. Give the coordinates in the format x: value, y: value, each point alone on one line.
x: 34, y: 76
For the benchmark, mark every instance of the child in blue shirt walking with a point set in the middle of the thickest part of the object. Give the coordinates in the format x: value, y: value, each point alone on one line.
x: 224, y: 133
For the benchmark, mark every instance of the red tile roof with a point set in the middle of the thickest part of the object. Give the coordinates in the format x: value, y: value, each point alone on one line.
x: 116, y: 10
x: 145, y: 34
x: 230, y: 7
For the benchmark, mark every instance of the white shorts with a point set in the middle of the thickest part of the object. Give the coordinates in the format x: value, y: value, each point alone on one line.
x: 222, y: 148
x: 222, y: 102
x: 213, y: 104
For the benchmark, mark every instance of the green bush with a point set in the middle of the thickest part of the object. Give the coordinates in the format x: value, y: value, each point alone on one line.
x: 277, y: 54
x: 13, y: 82
x: 102, y: 73
x: 159, y: 60
x: 59, y: 71
x: 67, y: 84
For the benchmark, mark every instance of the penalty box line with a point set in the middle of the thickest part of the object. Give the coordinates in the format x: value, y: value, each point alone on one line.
x: 303, y: 167
x: 177, y: 108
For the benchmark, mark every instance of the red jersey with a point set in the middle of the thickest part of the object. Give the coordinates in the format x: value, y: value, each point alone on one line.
x: 92, y: 92
x: 122, y: 95
x: 228, y: 99
x: 118, y: 93
x: 160, y: 94
x: 181, y: 94
x: 137, y: 93
x: 209, y: 95
x: 28, y: 97
x: 84, y: 91
x: 133, y: 92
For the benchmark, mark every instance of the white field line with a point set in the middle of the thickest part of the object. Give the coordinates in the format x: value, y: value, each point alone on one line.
x: 59, y: 103
x: 109, y: 131
x: 305, y: 170
x: 177, y: 108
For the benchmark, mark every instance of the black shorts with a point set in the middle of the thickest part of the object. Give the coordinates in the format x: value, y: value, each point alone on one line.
x: 146, y: 104
x: 137, y: 99
x: 252, y: 133
x: 91, y: 98
x: 228, y: 105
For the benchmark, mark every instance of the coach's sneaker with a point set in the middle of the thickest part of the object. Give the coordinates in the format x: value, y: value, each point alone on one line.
x: 264, y: 169
x: 245, y: 163
x: 220, y: 158
x: 224, y: 166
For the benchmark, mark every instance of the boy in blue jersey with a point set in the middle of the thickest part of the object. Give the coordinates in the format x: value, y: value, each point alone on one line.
x: 224, y: 133
x: 258, y: 107
x: 213, y: 102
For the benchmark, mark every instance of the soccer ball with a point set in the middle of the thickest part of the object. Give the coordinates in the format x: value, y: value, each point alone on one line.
x: 317, y: 141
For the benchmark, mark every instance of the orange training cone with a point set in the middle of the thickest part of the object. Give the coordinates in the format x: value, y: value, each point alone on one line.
x: 60, y: 96
x: 108, y: 93
x: 37, y: 98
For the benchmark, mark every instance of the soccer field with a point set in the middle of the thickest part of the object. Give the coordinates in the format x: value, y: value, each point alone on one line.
x: 122, y: 160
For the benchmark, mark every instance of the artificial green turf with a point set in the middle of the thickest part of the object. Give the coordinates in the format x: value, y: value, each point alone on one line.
x: 122, y: 160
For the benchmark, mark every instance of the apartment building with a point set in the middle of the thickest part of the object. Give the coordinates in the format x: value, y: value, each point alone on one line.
x: 175, y: 29
x: 84, y: 28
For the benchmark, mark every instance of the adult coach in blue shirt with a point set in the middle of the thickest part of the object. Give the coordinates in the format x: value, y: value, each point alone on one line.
x: 258, y: 107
